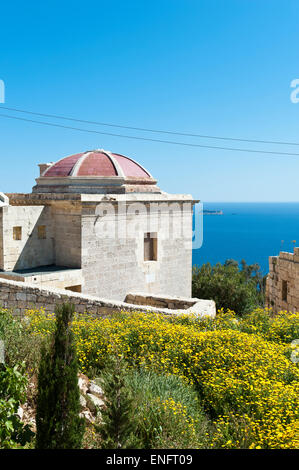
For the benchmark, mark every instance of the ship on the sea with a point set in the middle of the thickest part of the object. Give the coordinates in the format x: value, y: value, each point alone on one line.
x: 208, y: 212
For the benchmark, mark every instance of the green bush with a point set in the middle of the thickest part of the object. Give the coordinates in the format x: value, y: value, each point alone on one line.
x: 20, y: 344
x: 12, y: 393
x: 118, y: 421
x: 240, y: 290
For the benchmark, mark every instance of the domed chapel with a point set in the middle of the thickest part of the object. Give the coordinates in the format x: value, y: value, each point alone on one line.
x: 57, y: 236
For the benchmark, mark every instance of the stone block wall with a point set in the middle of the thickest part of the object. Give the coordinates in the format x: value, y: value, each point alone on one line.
x: 30, y: 251
x: 66, y: 218
x: 159, y: 301
x: 58, y: 279
x: 114, y: 265
x: 20, y: 297
x: 282, y: 287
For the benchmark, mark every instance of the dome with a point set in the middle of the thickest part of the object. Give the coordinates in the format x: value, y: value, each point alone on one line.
x: 96, y: 163
x: 94, y: 171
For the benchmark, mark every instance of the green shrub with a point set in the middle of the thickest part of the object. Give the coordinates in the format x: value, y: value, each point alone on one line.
x: 58, y: 403
x: 230, y: 287
x: 20, y: 344
x: 12, y: 393
x: 118, y: 426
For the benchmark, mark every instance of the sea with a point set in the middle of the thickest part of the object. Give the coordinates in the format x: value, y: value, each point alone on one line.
x: 249, y: 231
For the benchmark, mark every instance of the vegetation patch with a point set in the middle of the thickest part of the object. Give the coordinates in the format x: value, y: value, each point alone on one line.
x: 240, y: 368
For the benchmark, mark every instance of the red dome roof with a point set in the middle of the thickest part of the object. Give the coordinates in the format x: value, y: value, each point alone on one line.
x: 96, y: 163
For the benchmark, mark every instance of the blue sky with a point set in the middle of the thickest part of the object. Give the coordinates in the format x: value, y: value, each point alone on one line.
x: 216, y: 67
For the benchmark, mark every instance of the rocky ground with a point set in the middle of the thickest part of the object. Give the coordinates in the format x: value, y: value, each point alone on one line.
x: 91, y: 400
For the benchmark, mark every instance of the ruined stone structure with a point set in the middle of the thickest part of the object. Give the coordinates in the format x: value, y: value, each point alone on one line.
x: 282, y: 287
x: 96, y: 223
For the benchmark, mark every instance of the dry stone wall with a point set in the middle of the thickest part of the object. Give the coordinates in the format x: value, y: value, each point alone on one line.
x: 20, y: 297
x: 282, y: 287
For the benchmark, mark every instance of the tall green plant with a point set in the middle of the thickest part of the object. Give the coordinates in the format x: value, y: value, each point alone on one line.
x: 58, y: 403
x: 118, y: 420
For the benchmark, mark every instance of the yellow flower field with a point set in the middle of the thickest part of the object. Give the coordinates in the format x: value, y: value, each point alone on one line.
x: 245, y: 380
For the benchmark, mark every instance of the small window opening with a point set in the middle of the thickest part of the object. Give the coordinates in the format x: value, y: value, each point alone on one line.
x: 150, y: 246
x: 42, y: 234
x: 17, y: 233
x: 284, y: 291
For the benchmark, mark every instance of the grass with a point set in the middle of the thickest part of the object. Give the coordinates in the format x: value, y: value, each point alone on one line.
x: 168, y: 411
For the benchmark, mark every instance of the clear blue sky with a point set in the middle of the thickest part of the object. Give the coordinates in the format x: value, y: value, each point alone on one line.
x: 220, y: 67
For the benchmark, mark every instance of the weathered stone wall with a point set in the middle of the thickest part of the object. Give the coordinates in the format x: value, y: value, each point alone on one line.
x: 20, y: 297
x: 283, y: 282
x: 66, y: 218
x: 114, y: 265
x: 174, y: 305
x: 160, y: 301
x: 30, y: 251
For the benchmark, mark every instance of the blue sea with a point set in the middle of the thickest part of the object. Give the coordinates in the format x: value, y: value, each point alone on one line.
x: 250, y: 231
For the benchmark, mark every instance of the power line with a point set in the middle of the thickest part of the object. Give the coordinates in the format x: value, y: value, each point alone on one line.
x: 186, y: 144
x: 157, y: 131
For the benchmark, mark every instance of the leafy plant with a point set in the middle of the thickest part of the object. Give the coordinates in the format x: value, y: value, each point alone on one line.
x: 12, y: 392
x: 240, y: 290
x: 20, y: 344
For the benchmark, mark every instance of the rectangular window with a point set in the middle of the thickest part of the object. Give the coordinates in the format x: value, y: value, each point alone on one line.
x: 41, y: 229
x: 150, y: 246
x: 284, y: 293
x: 17, y: 233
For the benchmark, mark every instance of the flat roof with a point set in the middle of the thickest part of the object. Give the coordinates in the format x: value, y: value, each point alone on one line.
x: 38, y: 271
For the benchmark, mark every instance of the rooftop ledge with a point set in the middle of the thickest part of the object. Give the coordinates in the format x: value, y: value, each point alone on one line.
x: 43, y: 198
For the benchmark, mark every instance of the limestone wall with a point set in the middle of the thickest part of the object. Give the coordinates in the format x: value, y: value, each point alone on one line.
x: 160, y: 301
x: 282, y: 287
x: 30, y: 251
x: 20, y: 297
x: 47, y: 279
x: 174, y: 305
x: 114, y: 265
x: 67, y: 234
